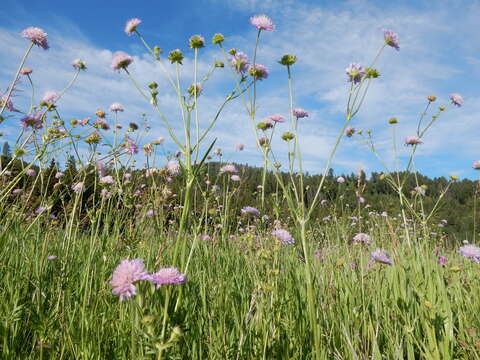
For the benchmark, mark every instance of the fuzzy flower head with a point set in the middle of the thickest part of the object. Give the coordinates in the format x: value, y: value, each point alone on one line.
x: 79, y: 64
x: 59, y: 175
x: 132, y: 148
x: 276, y: 118
x: 131, y: 26
x: 127, y: 273
x: 250, y: 210
x: 229, y: 168
x: 349, y: 131
x: 456, y: 99
x: 355, y: 73
x: 106, y: 180
x: 413, y: 140
x: 391, y: 39
x: 258, y: 71
x: 173, y: 168
x: 340, y: 180
x: 476, y: 165
x: 50, y: 97
x: 299, y: 113
x: 167, y: 276
x: 120, y: 60
x: 471, y: 252
x: 78, y: 187
x: 284, y: 236
x: 235, y: 178
x: 381, y: 256
x: 116, y: 107
x: 262, y: 22
x: 362, y: 238
x: 31, y: 172
x: 240, y: 62
x: 37, y: 36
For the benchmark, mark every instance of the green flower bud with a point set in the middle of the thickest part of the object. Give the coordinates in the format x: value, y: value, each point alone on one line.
x: 218, y: 38
x: 393, y: 120
x: 232, y: 51
x: 287, y: 136
x: 219, y: 64
x: 157, y: 51
x: 153, y: 85
x: 175, y: 56
x: 288, y: 60
x: 371, y: 73
x: 94, y: 138
x: 196, y: 42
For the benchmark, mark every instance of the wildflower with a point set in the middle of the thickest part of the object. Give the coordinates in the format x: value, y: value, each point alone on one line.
x: 381, y: 256
x: 196, y: 42
x: 431, y: 98
x: 127, y: 273
x: 355, y: 73
x: 235, y: 178
x: 323, y: 202
x: 7, y: 103
x: 120, y: 60
x: 78, y: 187
x: 420, y: 190
x: 249, y: 210
x: 456, y: 99
x: 229, y: 168
x: 340, y: 180
x: 362, y: 238
x: 262, y: 22
x: 36, y: 36
x: 299, y: 113
x: 240, y: 62
x: 258, y: 71
x: 349, y: 131
x: 50, y: 97
x: 116, y: 107
x: 127, y: 176
x: 206, y: 237
x: 284, y: 236
x: 218, y: 38
x: 442, y: 260
x: 108, y: 180
x: 158, y: 141
x: 79, y: 64
x: 59, y: 175
x: 167, y: 276
x: 239, y: 147
x: 31, y: 172
x: 105, y: 193
x: 150, y: 213
x: 132, y: 148
x: 173, y: 168
x: 51, y: 257
x: 175, y: 56
x: 263, y: 141
x: 133, y: 126
x: 393, y: 120
x: 361, y: 200
x: 288, y: 60
x: 40, y: 209
x: 26, y: 71
x: 287, y: 136
x: 391, y: 39
x: 470, y: 251
x: 413, y: 140
x: 276, y: 118
x: 17, y: 191
x: 131, y: 26
x: 476, y: 165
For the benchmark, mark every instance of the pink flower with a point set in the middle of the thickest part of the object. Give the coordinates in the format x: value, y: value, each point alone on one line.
x: 59, y: 175
x: 456, y: 99
x: 116, y: 107
x: 173, y: 168
x: 340, y: 180
x: 131, y: 26
x: 235, y: 178
x: 262, y: 22
x: 229, y: 168
x: 381, y: 256
x: 476, y: 165
x: 37, y: 36
x: 50, y: 97
x: 362, y: 238
x: 31, y: 172
x: 78, y: 187
x: 132, y: 148
x: 391, y: 39
x: 276, y: 118
x: 120, y: 60
x: 349, y: 131
x: 240, y: 62
x: 413, y: 140
x: 167, y: 276
x: 258, y: 71
x: 79, y: 64
x: 127, y: 273
x: 107, y: 180
x: 299, y: 113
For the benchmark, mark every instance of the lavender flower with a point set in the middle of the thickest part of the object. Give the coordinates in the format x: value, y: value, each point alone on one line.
x: 229, y: 168
x: 31, y: 172
x: 59, y: 175
x: 132, y: 148
x: 235, y: 178
x: 355, y: 73
x: 51, y: 257
x: 33, y: 120
x: 50, y: 97
x: 206, y: 237
x: 362, y: 238
x: 470, y: 251
x: 131, y: 26
x: 116, y: 107
x: 340, y: 180
x: 120, y: 60
x: 276, y: 118
x: 262, y: 22
x: 456, y: 99
x: 391, y: 39
x: 78, y: 187
x: 127, y: 273
x: 167, y: 276
x: 173, y: 168
x: 249, y: 210
x: 284, y: 236
x: 7, y: 103
x: 442, y: 260
x: 150, y: 213
x: 420, y: 190
x: 299, y: 113
x: 107, y: 180
x: 413, y: 140
x: 79, y: 64
x: 476, y: 165
x: 37, y: 36
x: 40, y: 209
x: 258, y: 71
x: 381, y: 256
x: 240, y: 62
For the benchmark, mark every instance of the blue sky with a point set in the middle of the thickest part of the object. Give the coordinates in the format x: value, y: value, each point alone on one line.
x: 439, y: 55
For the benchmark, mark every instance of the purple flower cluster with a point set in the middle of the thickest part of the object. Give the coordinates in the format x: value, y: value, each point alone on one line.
x: 37, y: 36
x: 240, y: 62
x: 32, y: 120
x: 250, y: 210
x: 120, y: 60
x: 381, y: 256
x: 262, y: 22
x: 413, y: 140
x: 362, y: 238
x: 391, y: 39
x: 470, y: 251
x: 129, y: 272
x: 299, y: 113
x: 284, y: 236
x: 131, y: 26
x: 355, y: 73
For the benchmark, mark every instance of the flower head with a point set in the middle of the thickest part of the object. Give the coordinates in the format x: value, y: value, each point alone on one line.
x: 79, y: 64
x: 31, y: 172
x: 284, y: 236
x: 258, y: 71
x: 276, y: 118
x: 476, y: 165
x: 299, y: 113
x: 59, y: 175
x: 107, y: 180
x: 413, y: 140
x: 239, y: 147
x: 262, y: 22
x: 349, y: 131
x: 26, y: 71
x: 250, y: 210
x: 127, y: 273
x: 196, y: 42
x: 362, y: 238
x: 173, y: 168
x: 37, y: 36
x: 229, y: 168
x: 240, y: 62
x: 120, y: 60
x: 470, y: 251
x: 116, y: 107
x: 391, y: 39
x: 167, y: 276
x: 50, y: 97
x: 78, y: 187
x: 442, y: 260
x: 132, y: 148
x: 456, y: 99
x: 340, y: 180
x: 381, y: 256
x: 355, y: 73
x: 131, y: 26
